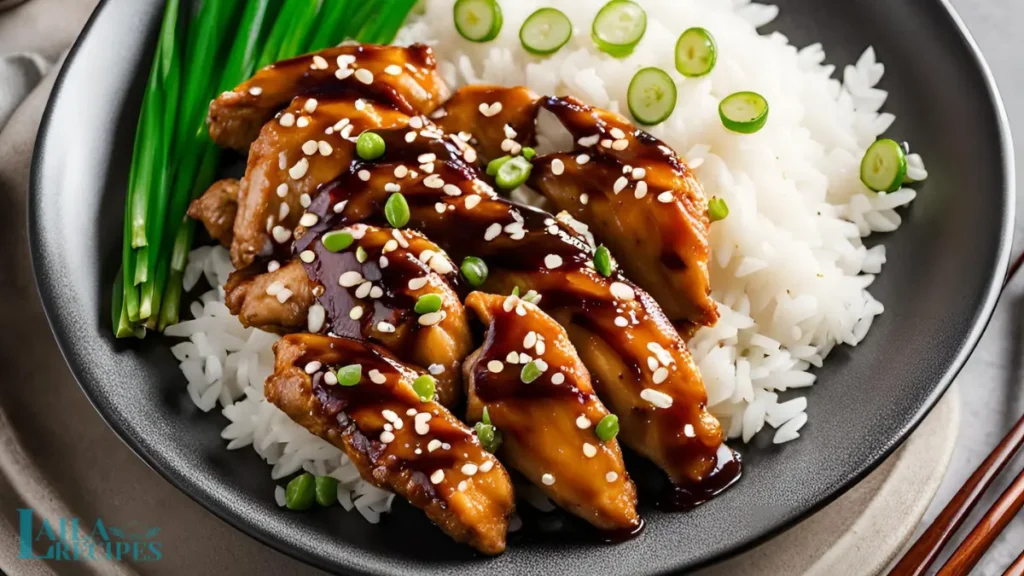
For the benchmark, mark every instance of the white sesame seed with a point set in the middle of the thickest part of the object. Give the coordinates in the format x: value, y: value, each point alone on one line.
x: 435, y: 369
x: 547, y: 479
x: 393, y: 70
x: 274, y: 288
x: 583, y: 422
x: 659, y: 399
x: 469, y: 155
x: 319, y: 62
x: 350, y: 279
x: 617, y: 133
x: 530, y: 340
x: 376, y: 377
x: 389, y: 415
x: 620, y: 145
x: 606, y: 143
x: 287, y: 120
x: 310, y: 105
x: 345, y: 59
x: 273, y: 266
x: 660, y: 375
x: 339, y: 207
x: 512, y: 357
x: 364, y: 175
x: 441, y: 265
x: 315, y: 318
x: 364, y: 289
x: 437, y: 476
x: 588, y: 141
x: 558, y: 378
x: 330, y: 378
x: 281, y: 234
x: 255, y: 90
x: 313, y: 367
x: 641, y: 190
x: 386, y: 327
x: 431, y: 318
x: 552, y: 261
x: 584, y: 198
x: 426, y: 255
x: 589, y: 450
x: 524, y: 358
x: 360, y: 104
x: 399, y: 238
x: 392, y: 187
x: 343, y: 73
x: 325, y: 148
x: 611, y: 476
x: 487, y: 466
x: 433, y: 181
x: 418, y: 283
x: 356, y: 312
x: 307, y: 256
x: 299, y: 170
x: 621, y: 322
x: 492, y: 232
x: 428, y: 157
x: 452, y: 190
x: 622, y: 291
x: 410, y: 136
x: 665, y: 197
x: 620, y: 184
x: 416, y: 122
x: 469, y: 469
x: 495, y: 366
x: 627, y: 169
x: 639, y: 173
x: 652, y: 363
x: 463, y: 486
x: 421, y: 421
x: 283, y: 211
x: 302, y: 122
x: 411, y: 412
x: 376, y: 291
x: 364, y: 76
x: 309, y: 219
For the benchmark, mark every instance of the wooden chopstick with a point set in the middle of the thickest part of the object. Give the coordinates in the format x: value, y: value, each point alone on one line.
x: 1017, y: 568
x: 923, y: 553
x: 988, y: 529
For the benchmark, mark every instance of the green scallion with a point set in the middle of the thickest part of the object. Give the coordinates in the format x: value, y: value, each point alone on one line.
x: 428, y: 303
x: 300, y: 492
x: 607, y: 428
x: 474, y: 270
x: 350, y: 375
x: 396, y: 210
x: 603, y: 261
x: 370, y: 146
x: 337, y: 240
x: 326, y: 490
x: 717, y: 209
x: 531, y: 371
x: 425, y: 387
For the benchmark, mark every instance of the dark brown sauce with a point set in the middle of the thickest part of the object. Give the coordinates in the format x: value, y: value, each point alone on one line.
x: 727, y: 472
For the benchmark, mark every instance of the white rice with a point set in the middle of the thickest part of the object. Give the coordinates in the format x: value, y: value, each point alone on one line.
x: 789, y: 267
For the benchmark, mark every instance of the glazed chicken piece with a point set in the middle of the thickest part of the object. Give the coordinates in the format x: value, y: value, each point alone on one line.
x: 399, y: 442
x: 494, y: 119
x: 367, y: 290
x: 644, y: 373
x: 547, y: 421
x: 642, y: 202
x: 404, y: 77
x: 217, y: 208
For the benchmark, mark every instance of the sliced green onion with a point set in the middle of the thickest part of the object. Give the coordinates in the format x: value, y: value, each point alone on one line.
x: 515, y: 291
x: 477, y: 20
x: 428, y: 303
x: 696, y: 53
x: 513, y: 173
x: 545, y: 31
x: 884, y: 167
x: 489, y: 435
x: 494, y: 165
x: 370, y: 146
x: 744, y: 112
x: 425, y: 386
x: 396, y: 210
x: 603, y: 261
x: 651, y: 96
x: 528, y: 153
x: 531, y: 371
x: 607, y: 428
x: 474, y: 270
x: 350, y: 375
x: 300, y: 492
x: 337, y: 241
x: 717, y: 209
x: 618, y: 27
x: 326, y: 490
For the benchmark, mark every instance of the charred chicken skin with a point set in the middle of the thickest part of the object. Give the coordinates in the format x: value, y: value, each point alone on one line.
x: 538, y: 394
x: 400, y: 442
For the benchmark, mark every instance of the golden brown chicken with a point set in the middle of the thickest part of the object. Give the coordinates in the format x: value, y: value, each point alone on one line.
x: 399, y: 441
x: 494, y: 119
x: 537, y: 393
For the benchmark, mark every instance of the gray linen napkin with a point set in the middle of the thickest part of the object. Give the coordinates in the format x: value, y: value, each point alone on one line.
x: 19, y: 74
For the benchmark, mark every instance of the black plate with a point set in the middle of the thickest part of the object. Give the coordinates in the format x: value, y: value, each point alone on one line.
x: 945, y: 266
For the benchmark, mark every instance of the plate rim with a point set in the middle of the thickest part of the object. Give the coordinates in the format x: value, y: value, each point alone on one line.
x: 981, y: 317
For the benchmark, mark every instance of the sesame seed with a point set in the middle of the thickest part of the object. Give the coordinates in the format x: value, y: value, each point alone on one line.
x: 283, y: 211
x: 510, y: 132
x: 313, y: 367
x: 376, y: 291
x: 558, y: 378
x: 315, y: 318
x: 274, y: 288
x: 617, y: 133
x: 411, y: 412
x: 584, y: 198
x: 639, y: 173
x: 611, y: 476
x: 330, y: 378
x: 641, y: 190
x: 469, y: 469
x: 386, y: 327
x: 308, y: 219
x: 393, y: 70
x: 552, y: 261
x: 364, y: 289
x: 452, y: 190
x: 399, y: 238
x: 512, y: 358
x: 627, y: 169
x: 660, y: 375
x: 325, y: 148
x: 530, y: 340
x: 652, y: 363
x: 588, y: 141
x: 620, y: 145
x: 462, y: 486
x: 350, y: 279
x: 606, y: 143
x: 431, y: 318
x: 376, y: 377
x: 310, y: 105
x: 416, y: 122
x: 435, y: 369
x: 428, y: 168
x: 621, y: 322
x: 441, y: 265
x: 340, y: 124
x: 472, y: 201
x: 433, y: 181
x: 620, y: 184
x: 589, y: 450
x: 255, y: 90
x: 287, y: 120
x: 307, y: 256
x: 364, y: 76
x: 392, y: 187
x: 319, y: 62
x: 487, y: 466
x: 433, y: 445
x: 281, y: 234
x: 428, y: 157
x: 339, y: 207
x: 360, y: 104
x: 389, y: 415
x: 665, y: 197
x: 299, y: 170
x: 356, y: 313
x: 410, y: 136
x: 469, y: 155
x: 622, y: 291
x: 345, y: 59
x: 418, y: 283
x: 426, y: 255
x: 492, y: 232
x: 659, y: 399
x: 583, y: 422
x: 437, y: 477
x: 302, y: 122
x: 273, y: 266
x: 495, y: 366
x: 343, y: 73
x: 524, y: 358
x: 364, y: 175
x: 421, y: 423
x: 547, y: 479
